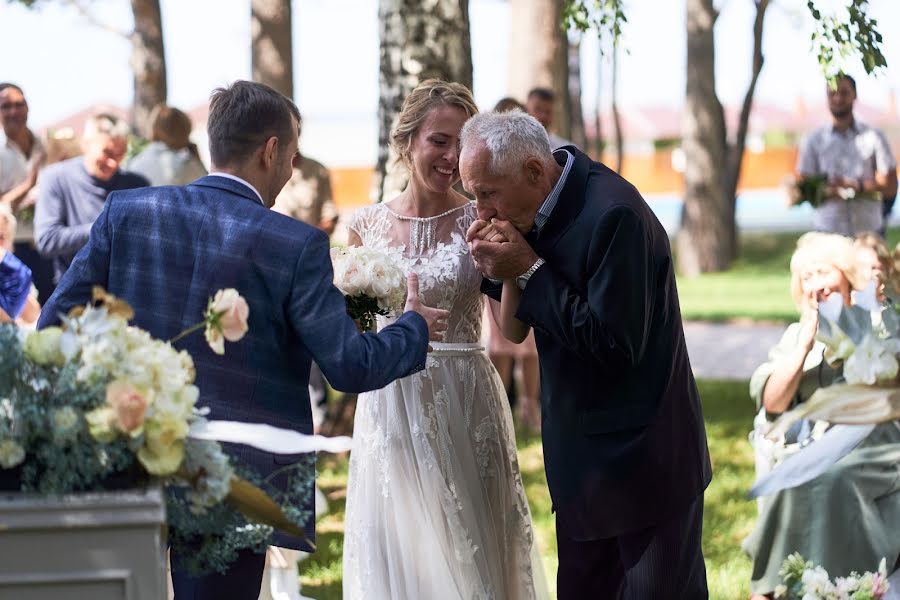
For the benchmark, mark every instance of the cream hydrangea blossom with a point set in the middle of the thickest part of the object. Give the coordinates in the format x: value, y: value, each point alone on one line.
x: 873, y: 361
x: 151, y: 396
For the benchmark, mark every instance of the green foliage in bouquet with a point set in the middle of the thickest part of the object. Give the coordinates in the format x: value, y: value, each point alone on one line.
x: 810, y: 189
x: 363, y: 309
x: 190, y: 530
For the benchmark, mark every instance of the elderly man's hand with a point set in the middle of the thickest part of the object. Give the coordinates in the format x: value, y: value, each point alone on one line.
x: 483, y: 230
x: 501, y: 260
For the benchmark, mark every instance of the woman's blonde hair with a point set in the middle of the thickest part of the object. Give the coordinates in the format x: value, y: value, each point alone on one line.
x: 427, y: 95
x: 830, y: 248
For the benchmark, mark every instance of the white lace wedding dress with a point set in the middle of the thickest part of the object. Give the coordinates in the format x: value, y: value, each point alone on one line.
x: 436, y: 508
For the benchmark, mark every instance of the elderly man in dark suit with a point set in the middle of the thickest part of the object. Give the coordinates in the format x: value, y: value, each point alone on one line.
x: 572, y: 250
x: 166, y: 250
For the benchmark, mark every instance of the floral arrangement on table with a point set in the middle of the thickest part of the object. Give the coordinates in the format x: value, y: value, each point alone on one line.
x: 805, y: 581
x: 97, y: 404
x: 371, y: 282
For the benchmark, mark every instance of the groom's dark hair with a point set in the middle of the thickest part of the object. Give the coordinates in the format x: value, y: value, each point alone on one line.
x: 243, y: 116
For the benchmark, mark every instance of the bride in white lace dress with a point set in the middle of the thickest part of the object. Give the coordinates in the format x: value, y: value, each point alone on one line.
x: 436, y: 508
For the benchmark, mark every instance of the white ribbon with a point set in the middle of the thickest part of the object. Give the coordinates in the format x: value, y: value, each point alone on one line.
x: 268, y: 438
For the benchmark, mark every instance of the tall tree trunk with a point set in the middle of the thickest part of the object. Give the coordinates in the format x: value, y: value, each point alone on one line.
x: 574, y: 61
x: 271, y: 44
x: 538, y: 47
x: 736, y: 151
x: 148, y: 63
x: 704, y: 241
x: 420, y: 39
x: 617, y: 119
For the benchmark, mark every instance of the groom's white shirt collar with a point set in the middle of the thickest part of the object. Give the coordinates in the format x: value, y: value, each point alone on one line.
x: 239, y: 180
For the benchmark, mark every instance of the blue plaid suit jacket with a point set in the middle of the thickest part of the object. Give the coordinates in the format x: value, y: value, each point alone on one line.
x: 166, y: 250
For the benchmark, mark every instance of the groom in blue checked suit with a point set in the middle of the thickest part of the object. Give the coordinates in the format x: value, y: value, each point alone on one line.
x: 166, y: 250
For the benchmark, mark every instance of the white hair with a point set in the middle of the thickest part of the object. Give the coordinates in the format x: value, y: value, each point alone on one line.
x: 106, y: 124
x: 511, y: 138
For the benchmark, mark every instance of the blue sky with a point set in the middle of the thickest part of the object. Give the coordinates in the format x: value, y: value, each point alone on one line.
x: 65, y: 63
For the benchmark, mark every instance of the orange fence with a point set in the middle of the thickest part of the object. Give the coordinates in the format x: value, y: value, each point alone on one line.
x: 651, y: 174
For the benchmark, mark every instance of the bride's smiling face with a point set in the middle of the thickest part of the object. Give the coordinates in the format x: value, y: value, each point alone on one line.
x: 434, y: 151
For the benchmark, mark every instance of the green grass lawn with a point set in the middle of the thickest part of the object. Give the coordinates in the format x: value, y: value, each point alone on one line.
x: 728, y: 515
x: 756, y: 288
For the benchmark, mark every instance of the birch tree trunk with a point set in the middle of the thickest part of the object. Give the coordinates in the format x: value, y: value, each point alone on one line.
x: 420, y: 39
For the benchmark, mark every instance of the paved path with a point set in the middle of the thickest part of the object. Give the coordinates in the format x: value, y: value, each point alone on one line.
x: 725, y: 351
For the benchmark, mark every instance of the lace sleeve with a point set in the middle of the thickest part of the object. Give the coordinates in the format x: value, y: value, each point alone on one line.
x: 360, y: 221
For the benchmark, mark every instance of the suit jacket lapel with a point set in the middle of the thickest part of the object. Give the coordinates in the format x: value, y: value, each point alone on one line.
x: 227, y: 185
x: 569, y: 204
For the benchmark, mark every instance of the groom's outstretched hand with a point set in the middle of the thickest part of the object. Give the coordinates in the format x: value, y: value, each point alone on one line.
x: 435, y: 317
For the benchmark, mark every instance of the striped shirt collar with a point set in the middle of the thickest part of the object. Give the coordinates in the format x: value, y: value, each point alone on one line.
x: 543, y: 213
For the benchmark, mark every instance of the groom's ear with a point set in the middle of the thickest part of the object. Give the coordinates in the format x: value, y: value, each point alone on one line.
x: 270, y: 152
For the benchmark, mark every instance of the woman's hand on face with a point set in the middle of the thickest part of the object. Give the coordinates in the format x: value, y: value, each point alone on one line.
x: 809, y: 322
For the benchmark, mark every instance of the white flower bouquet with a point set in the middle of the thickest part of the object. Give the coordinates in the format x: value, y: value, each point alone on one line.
x: 371, y: 282
x: 805, y: 581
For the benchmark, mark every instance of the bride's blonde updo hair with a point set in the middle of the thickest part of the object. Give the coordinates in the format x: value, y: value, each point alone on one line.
x: 427, y: 95
x: 830, y: 248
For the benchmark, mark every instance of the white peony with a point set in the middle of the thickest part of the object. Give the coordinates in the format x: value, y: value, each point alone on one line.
x: 873, y: 361
x: 360, y: 270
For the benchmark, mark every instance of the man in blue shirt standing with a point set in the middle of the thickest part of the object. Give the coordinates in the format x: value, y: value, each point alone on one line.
x: 73, y: 192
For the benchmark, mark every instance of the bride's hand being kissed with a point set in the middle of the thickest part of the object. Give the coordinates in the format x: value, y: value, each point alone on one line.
x: 483, y: 230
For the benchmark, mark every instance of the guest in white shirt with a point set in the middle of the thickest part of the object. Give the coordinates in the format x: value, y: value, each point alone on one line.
x: 22, y: 154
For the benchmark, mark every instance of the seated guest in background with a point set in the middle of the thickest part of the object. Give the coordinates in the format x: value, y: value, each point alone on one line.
x: 857, y: 161
x: 74, y: 191
x: 846, y: 519
x: 540, y: 104
x: 18, y: 303
x: 170, y: 158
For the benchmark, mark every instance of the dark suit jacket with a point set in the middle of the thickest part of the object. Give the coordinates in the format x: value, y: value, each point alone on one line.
x: 166, y: 250
x: 623, y: 433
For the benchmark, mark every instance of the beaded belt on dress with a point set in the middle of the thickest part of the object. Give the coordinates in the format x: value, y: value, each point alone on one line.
x: 442, y: 349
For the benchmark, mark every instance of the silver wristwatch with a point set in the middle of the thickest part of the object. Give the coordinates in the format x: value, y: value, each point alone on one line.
x: 522, y: 280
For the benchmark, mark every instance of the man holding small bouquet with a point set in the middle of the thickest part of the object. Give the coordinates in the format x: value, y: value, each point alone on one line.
x: 846, y: 168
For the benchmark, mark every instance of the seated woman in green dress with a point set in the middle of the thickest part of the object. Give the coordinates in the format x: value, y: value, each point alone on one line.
x: 848, y: 518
